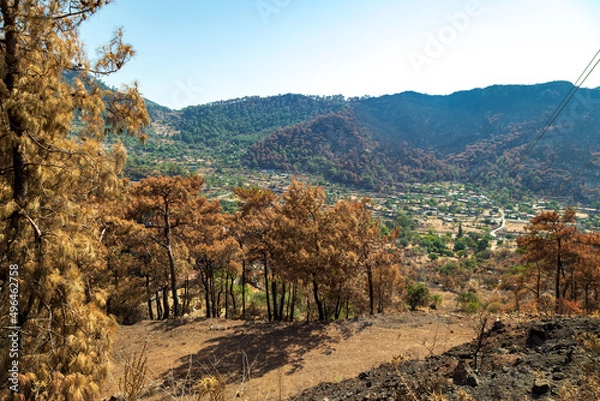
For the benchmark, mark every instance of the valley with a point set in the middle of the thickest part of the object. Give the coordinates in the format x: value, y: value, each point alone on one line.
x: 382, y: 144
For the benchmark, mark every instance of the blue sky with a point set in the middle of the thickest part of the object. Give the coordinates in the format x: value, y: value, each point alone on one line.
x: 198, y: 51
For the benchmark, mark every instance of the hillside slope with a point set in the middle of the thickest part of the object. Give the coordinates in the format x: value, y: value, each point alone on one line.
x: 473, y: 136
x: 478, y: 136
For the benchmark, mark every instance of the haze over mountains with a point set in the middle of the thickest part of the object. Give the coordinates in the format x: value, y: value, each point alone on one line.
x: 379, y: 143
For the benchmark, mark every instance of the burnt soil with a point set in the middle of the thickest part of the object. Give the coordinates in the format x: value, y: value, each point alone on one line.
x: 516, y: 361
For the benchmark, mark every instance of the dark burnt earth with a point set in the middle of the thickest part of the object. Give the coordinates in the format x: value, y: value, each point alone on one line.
x: 532, y: 360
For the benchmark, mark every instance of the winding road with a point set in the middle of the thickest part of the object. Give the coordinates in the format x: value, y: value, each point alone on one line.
x: 494, y: 231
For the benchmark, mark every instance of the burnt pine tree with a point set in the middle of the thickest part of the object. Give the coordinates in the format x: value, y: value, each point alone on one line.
x: 165, y: 206
x: 253, y: 230
x: 303, y: 231
x: 552, y: 240
x: 54, y: 173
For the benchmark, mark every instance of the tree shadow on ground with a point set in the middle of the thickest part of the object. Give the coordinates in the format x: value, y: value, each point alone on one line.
x: 254, y: 350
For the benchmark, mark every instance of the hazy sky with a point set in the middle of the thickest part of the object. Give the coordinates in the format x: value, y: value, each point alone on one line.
x: 199, y: 51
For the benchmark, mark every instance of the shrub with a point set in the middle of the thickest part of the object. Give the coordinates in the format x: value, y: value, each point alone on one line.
x: 496, y: 307
x: 417, y: 295
x: 468, y: 302
x: 435, y: 301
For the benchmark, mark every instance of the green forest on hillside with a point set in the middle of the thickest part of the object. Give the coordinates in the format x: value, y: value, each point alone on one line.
x: 378, y: 143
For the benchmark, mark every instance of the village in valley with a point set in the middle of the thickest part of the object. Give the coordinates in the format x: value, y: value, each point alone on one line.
x: 438, y: 207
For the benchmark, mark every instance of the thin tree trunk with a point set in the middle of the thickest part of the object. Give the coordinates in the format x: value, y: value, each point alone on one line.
x: 166, y: 310
x: 267, y: 288
x: 176, y: 307
x: 371, y: 292
x: 172, y: 270
x: 274, y: 298
x: 232, y: 293
x: 293, y: 305
x: 347, y: 308
x: 218, y: 298
x: 213, y: 293
x: 282, y: 301
x: 186, y: 295
x: 338, y: 308
x: 320, y: 306
x: 159, y: 310
x: 586, y: 294
x: 244, y: 289
x: 226, y: 295
x: 205, y: 284
x: 149, y: 296
x: 288, y: 303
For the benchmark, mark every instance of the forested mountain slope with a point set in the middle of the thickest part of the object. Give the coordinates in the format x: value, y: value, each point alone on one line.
x: 243, y: 121
x: 377, y: 142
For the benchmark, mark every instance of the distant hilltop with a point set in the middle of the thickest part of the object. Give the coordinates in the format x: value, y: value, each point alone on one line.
x: 476, y: 135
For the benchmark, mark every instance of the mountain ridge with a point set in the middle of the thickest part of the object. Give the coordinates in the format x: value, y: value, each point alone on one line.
x: 474, y: 135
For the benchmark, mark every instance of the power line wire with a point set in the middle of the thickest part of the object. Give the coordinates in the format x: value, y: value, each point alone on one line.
x: 579, y: 171
x: 566, y: 99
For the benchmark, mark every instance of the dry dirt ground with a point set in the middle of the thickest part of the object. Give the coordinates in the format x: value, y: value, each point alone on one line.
x: 267, y: 361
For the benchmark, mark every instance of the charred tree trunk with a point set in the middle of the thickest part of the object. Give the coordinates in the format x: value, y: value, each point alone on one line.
x: 218, y: 298
x: 244, y: 289
x: 293, y: 302
x: 269, y: 315
x: 149, y: 296
x: 274, y: 298
x: 186, y: 295
x: 227, y: 293
x: 166, y: 310
x: 176, y: 307
x: 172, y: 270
x: 371, y: 292
x: 281, y: 301
x: 232, y: 294
x: 206, y: 285
x: 318, y: 301
x: 288, y: 304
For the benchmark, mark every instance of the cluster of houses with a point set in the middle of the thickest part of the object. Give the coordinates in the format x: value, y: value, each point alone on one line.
x: 449, y: 204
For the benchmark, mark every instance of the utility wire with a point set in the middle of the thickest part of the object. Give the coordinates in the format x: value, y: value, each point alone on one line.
x: 568, y: 97
x: 572, y: 177
x: 595, y: 158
